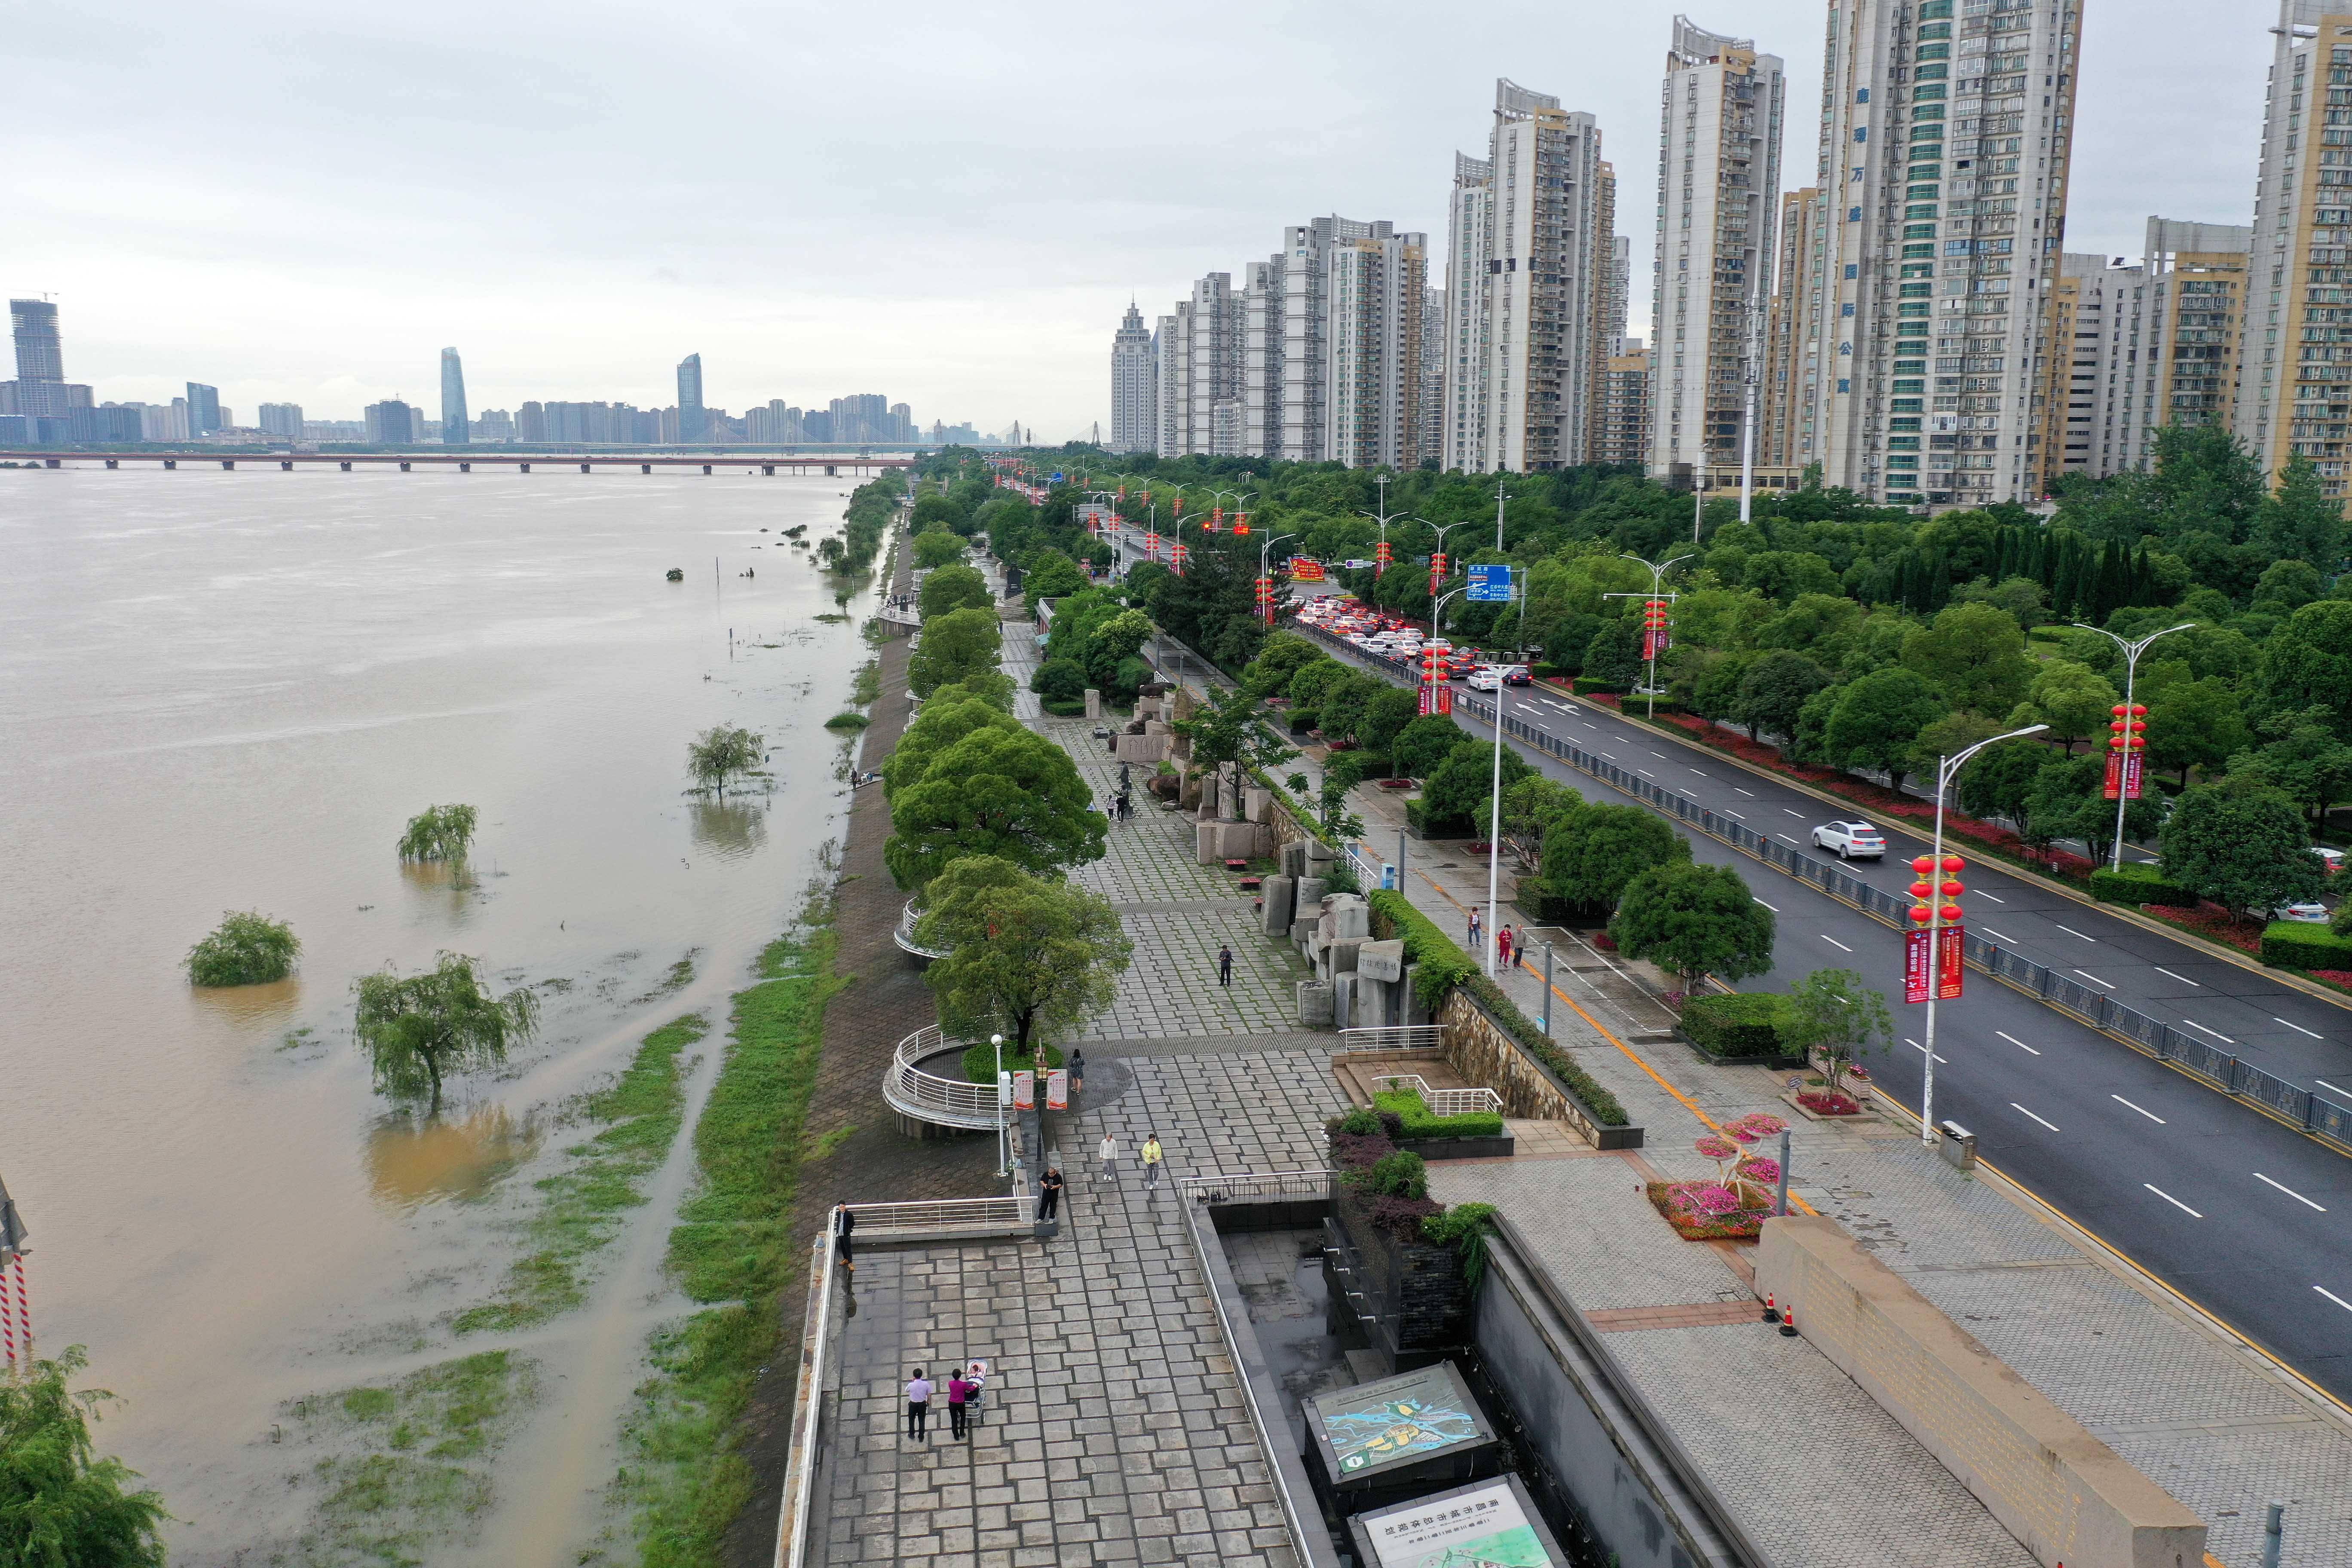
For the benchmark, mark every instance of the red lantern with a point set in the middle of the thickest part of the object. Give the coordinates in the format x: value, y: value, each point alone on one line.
x: 1923, y: 863
x: 1920, y: 913
x: 1241, y: 523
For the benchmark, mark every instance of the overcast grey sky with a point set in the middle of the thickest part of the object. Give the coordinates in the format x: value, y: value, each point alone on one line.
x: 949, y: 203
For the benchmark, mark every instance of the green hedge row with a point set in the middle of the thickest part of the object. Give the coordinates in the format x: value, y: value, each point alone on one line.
x: 1420, y: 1122
x: 2140, y: 885
x: 2298, y: 944
x: 1444, y: 966
x: 1741, y: 1024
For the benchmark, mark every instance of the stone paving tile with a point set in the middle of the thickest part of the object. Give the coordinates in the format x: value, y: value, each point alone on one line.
x: 1594, y: 1212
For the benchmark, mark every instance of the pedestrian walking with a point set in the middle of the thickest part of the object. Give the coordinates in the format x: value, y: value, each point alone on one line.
x: 1109, y: 1154
x: 1077, y: 1074
x: 918, y: 1405
x: 1473, y: 931
x: 1152, y: 1158
x: 1503, y: 946
x: 960, y: 1392
x: 1049, y: 1191
x: 1225, y: 967
x: 844, y: 1221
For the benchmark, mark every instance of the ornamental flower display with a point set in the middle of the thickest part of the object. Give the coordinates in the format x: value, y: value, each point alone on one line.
x: 1761, y: 1170
x: 1717, y: 1150
x: 1764, y: 1124
x: 1715, y: 1201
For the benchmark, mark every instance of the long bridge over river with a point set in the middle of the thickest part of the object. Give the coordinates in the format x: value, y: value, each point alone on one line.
x: 831, y: 465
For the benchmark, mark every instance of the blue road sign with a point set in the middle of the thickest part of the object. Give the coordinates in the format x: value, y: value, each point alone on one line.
x: 1054, y: 479
x: 1490, y: 584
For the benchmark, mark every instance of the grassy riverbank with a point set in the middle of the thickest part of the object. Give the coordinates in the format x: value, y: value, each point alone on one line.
x: 683, y: 1477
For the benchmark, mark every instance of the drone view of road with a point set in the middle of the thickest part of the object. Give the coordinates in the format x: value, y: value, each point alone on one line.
x: 2243, y: 1216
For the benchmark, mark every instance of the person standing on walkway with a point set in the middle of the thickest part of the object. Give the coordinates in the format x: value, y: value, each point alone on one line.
x: 1225, y: 966
x: 844, y: 1221
x: 1049, y: 1191
x: 1109, y: 1154
x: 959, y: 1391
x: 1473, y: 931
x: 1503, y: 946
x: 918, y: 1405
x: 1152, y: 1158
x: 1077, y: 1074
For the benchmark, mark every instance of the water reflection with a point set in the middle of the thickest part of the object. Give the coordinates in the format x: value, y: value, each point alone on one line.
x: 729, y: 829
x: 449, y: 889
x: 413, y: 1162
x: 248, y: 1006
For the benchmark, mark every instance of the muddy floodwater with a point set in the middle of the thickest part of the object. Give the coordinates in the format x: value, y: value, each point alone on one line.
x: 229, y: 690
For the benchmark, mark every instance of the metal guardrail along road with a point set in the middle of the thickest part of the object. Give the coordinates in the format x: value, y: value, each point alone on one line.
x: 949, y: 1102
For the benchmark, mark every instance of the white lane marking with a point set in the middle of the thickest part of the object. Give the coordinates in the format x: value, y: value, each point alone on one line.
x: 2334, y: 1296
x: 1701, y: 773
x: 1645, y: 772
x: 1741, y: 814
x: 1748, y: 792
x: 2182, y: 978
x: 2151, y: 1115
x: 2002, y: 935
x: 1660, y: 755
x: 1774, y: 908
x: 1791, y: 840
x: 2070, y: 930
x: 2203, y: 1030
x: 1994, y: 897
x: 1610, y: 755
x: 1786, y: 812
x: 1923, y: 1050
x: 2324, y: 1084
x: 2298, y: 1028
x: 2094, y: 980
x: 2022, y: 1112
x: 2176, y: 1203
x: 1834, y: 943
x: 2014, y: 1040
x: 2290, y: 1193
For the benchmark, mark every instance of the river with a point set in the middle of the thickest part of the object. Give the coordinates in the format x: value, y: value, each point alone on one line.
x: 229, y: 690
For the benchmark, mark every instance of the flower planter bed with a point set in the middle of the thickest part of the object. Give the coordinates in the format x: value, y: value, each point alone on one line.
x: 2210, y: 921
x: 1819, y: 1105
x: 1397, y: 784
x: 1680, y: 1203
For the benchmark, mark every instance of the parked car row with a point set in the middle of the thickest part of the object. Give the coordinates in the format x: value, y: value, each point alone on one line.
x: 1398, y: 641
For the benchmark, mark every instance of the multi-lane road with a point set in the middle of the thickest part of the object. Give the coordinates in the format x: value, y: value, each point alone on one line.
x: 2246, y: 1218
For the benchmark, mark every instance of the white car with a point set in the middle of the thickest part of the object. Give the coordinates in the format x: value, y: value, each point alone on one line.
x: 2307, y: 914
x: 1851, y: 840
x: 1485, y: 678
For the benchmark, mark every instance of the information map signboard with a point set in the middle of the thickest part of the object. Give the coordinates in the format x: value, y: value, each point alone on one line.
x: 1488, y: 1523
x: 1377, y: 1443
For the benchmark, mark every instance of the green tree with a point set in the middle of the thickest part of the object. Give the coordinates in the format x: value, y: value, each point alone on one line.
x: 248, y: 949
x: 1824, y: 624
x: 2302, y: 760
x: 1422, y: 746
x: 1462, y: 787
x: 2075, y: 700
x: 1774, y: 688
x: 1878, y: 719
x: 1999, y: 781
x: 933, y: 512
x: 1345, y: 701
x: 951, y: 588
x: 953, y: 645
x: 1386, y: 715
x: 1283, y: 656
x: 1112, y: 648
x: 939, y: 725
x: 1230, y: 727
x: 1834, y: 1019
x: 1010, y: 793
x: 1614, y: 654
x: 2300, y: 521
x: 1787, y: 575
x: 2242, y: 845
x: 2286, y: 586
x: 2068, y: 800
x: 62, y: 1506
x: 1694, y: 920
x: 1948, y: 737
x: 992, y: 687
x: 1026, y: 957
x: 2307, y: 663
x: 418, y: 1028
x: 1975, y: 653
x: 439, y: 832
x: 1060, y: 681
x: 2196, y: 724
x: 938, y: 550
x: 1049, y: 574
x: 1714, y: 689
x: 1591, y: 854
x: 722, y: 753
x: 1531, y: 805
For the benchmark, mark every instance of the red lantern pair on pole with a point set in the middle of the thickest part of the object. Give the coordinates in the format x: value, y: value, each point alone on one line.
x: 2126, y: 751
x: 1382, y: 554
x: 1931, y: 950
x: 1437, y: 573
x: 1656, y: 634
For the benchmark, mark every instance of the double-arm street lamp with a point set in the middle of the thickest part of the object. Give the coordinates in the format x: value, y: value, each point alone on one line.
x: 1265, y: 582
x: 1658, y: 570
x: 2127, y: 717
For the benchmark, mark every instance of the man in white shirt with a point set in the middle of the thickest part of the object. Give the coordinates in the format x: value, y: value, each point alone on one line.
x: 1109, y: 1154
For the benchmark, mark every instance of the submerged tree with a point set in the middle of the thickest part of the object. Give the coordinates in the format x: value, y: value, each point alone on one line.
x: 417, y: 1028
x: 61, y: 1506
x: 439, y: 832
x: 721, y: 753
x: 247, y: 949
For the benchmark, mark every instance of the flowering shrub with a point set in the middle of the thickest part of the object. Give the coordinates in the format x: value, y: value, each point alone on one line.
x: 1764, y: 1124
x: 2211, y: 922
x: 1716, y: 1200
x: 1822, y: 1103
x: 1717, y: 1150
x: 1760, y: 1169
x: 1705, y: 1211
x: 2339, y: 978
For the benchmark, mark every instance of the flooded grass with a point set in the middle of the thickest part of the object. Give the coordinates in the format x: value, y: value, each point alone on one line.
x: 583, y: 1206
x: 416, y: 1470
x: 866, y: 690
x: 683, y: 1478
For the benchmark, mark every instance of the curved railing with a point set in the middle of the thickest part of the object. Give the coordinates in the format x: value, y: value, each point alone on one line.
x: 904, y: 935
x: 927, y: 1097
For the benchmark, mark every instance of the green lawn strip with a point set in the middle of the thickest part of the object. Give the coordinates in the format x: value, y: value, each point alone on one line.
x: 682, y: 1478
x: 423, y: 1449
x: 582, y: 1205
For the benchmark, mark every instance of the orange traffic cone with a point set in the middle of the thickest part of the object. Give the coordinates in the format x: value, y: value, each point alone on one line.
x: 1771, y: 1312
x: 1789, y: 1321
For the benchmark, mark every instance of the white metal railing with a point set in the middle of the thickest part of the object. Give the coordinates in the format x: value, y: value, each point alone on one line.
x: 1225, y: 1187
x: 950, y: 1102
x: 1394, y: 1038
x: 1019, y: 1209
x: 1443, y: 1101
x: 792, y: 1519
x: 904, y: 935
x: 1366, y: 866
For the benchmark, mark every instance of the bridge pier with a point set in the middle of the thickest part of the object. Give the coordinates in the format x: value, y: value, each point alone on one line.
x: 347, y: 464
x: 465, y: 467
x: 112, y: 463
x: 645, y: 467
x: 228, y: 462
x: 285, y: 468
x: 583, y: 467
x: 706, y: 468
x: 168, y: 462
x: 526, y: 467
x: 769, y: 470
x: 404, y: 465
x: 52, y: 463
x: 830, y: 471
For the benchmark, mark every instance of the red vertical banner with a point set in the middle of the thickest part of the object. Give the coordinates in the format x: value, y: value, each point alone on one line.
x: 1916, y: 972
x: 2135, y: 766
x: 1948, y: 965
x: 2113, y: 788
x: 1649, y: 645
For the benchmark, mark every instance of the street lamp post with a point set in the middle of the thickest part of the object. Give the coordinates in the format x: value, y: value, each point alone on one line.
x: 1755, y: 375
x: 1003, y: 1093
x: 1265, y: 585
x: 1945, y: 768
x: 1495, y: 822
x: 1440, y: 529
x: 1658, y: 570
x: 2132, y: 651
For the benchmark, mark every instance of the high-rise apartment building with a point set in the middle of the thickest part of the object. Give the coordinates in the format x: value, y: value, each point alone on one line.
x: 1134, y: 399
x: 693, y: 421
x: 1201, y: 370
x: 1791, y: 366
x: 282, y: 420
x: 1611, y: 284
x: 2294, y: 376
x: 203, y: 409
x: 40, y: 388
x: 2196, y: 284
x: 391, y: 422
x: 494, y: 424
x: 1432, y: 376
x: 1946, y: 141
x: 1718, y: 193
x: 1375, y: 290
x: 456, y: 427
x: 1624, y: 422
x: 1172, y: 338
x: 1544, y: 255
x: 2095, y: 313
x: 1469, y: 220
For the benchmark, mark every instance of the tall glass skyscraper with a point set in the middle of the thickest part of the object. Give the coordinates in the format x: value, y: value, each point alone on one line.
x: 40, y: 358
x: 453, y: 399
x: 693, y: 424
